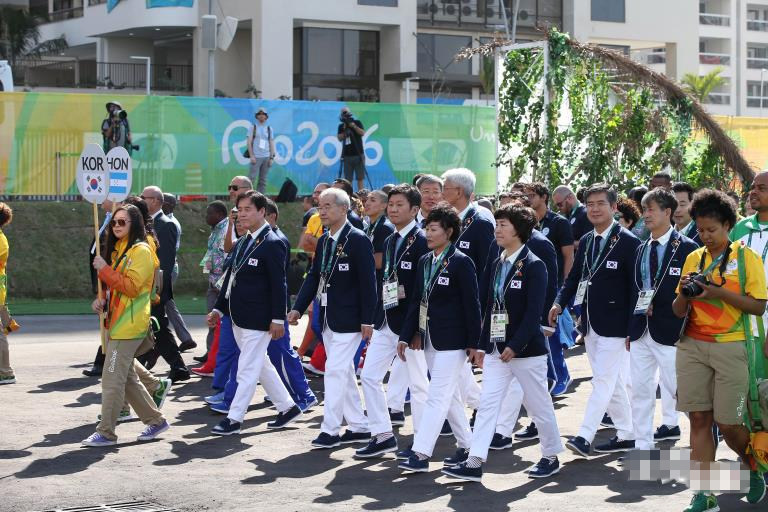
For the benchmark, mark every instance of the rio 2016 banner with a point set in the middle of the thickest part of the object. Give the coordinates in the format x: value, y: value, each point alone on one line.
x: 194, y: 145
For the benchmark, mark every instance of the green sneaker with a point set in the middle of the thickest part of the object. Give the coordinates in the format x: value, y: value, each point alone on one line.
x: 123, y: 416
x: 756, y: 487
x: 703, y: 503
x: 7, y: 380
x: 162, y: 392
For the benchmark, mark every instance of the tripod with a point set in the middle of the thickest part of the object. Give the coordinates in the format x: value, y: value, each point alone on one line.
x: 365, y: 170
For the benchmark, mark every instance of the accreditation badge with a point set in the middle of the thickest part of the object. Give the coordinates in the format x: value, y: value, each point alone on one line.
x: 389, y: 294
x: 581, y: 292
x: 320, y: 289
x: 644, y: 299
x: 423, y: 306
x: 499, y: 321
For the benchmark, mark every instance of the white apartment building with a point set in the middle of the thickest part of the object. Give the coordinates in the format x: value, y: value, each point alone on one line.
x: 372, y: 50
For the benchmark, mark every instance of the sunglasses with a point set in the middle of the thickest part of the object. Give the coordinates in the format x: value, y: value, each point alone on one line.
x: 146, y: 198
x: 233, y: 187
x: 119, y: 222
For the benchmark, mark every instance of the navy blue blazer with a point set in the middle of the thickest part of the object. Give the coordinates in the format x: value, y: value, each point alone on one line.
x: 544, y: 249
x: 580, y: 224
x: 606, y: 307
x: 287, y: 244
x: 378, y: 233
x: 259, y: 292
x: 664, y: 326
x: 412, y: 248
x: 167, y: 235
x: 693, y: 234
x: 351, y: 284
x: 524, y: 298
x: 476, y: 237
x: 453, y: 311
x: 355, y: 220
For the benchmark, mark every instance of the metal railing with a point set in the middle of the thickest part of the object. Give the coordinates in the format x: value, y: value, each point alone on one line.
x: 720, y: 59
x: 722, y: 20
x: 757, y: 63
x: 107, y: 75
x: 65, y: 14
x: 718, y: 98
x: 532, y: 13
x: 758, y: 25
x: 649, y: 57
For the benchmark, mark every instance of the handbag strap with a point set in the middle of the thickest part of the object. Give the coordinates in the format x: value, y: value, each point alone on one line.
x: 753, y: 418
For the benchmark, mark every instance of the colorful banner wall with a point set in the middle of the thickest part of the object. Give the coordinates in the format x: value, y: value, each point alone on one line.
x: 193, y: 145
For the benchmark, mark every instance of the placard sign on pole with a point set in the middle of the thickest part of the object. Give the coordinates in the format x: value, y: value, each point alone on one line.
x: 120, y: 169
x: 92, y: 180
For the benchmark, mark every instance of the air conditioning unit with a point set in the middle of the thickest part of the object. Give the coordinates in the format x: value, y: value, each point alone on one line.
x: 6, y: 77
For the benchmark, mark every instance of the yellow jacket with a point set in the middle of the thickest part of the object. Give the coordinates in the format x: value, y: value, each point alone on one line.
x: 129, y: 282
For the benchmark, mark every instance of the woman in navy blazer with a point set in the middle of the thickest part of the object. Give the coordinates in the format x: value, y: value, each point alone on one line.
x: 512, y: 345
x: 443, y: 320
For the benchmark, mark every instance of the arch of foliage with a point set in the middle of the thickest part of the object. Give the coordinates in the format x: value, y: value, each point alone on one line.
x: 608, y: 119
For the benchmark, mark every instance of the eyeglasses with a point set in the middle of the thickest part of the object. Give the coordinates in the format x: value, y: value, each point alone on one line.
x: 233, y: 187
x: 119, y: 222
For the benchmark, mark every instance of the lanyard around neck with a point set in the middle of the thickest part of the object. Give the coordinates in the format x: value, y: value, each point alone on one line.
x: 430, y: 276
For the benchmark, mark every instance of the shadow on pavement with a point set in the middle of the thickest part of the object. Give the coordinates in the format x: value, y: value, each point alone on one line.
x: 64, y: 385
x: 14, y: 454
x: 86, y: 399
x: 67, y: 436
x: 207, y: 449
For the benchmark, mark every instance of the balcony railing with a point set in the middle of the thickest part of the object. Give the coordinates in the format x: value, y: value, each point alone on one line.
x: 758, y: 25
x: 66, y: 14
x: 649, y: 57
x: 106, y: 75
x: 720, y: 59
x: 718, y: 98
x: 757, y: 63
x: 476, y: 13
x: 721, y: 20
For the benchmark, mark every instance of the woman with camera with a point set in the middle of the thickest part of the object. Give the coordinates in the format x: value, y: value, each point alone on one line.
x: 722, y: 284
x: 128, y: 275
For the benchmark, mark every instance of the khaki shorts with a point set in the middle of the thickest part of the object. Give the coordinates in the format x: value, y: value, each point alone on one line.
x: 712, y: 377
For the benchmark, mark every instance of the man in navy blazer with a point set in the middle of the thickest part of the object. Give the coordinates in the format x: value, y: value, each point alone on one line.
x: 654, y: 330
x: 343, y: 277
x: 475, y: 241
x: 684, y: 224
x: 254, y: 295
x: 601, y: 281
x: 401, y: 253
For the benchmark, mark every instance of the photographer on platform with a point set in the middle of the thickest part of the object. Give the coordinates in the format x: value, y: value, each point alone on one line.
x: 350, y: 133
x: 115, y: 129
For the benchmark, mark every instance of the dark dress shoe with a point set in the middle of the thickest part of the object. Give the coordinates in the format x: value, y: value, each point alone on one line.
x: 187, y: 345
x: 201, y: 359
x: 179, y: 374
x: 94, y: 371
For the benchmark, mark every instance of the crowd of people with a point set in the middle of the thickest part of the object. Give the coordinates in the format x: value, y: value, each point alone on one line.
x: 414, y: 288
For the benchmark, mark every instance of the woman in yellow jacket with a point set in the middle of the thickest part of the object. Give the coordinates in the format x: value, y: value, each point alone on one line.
x: 128, y: 276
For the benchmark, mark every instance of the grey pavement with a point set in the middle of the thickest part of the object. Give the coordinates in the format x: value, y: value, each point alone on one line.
x: 53, y: 407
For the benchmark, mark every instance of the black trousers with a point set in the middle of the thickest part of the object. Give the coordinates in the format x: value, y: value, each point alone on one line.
x: 165, y: 343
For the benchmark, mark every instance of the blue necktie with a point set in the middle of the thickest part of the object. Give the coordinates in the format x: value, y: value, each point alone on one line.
x: 596, y: 248
x: 505, y: 268
x: 398, y: 243
x: 654, y: 260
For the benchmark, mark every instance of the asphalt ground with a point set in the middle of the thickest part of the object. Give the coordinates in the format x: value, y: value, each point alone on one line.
x: 53, y: 407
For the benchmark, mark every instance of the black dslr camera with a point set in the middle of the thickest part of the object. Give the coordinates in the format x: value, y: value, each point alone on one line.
x: 692, y: 288
x: 346, y: 117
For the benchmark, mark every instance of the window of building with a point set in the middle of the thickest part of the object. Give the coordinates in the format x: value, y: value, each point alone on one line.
x: 336, y: 64
x: 609, y: 10
x: 755, y: 95
x: 381, y: 3
x: 437, y: 54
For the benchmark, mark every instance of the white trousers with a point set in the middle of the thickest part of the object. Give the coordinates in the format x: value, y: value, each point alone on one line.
x: 510, y: 407
x: 378, y: 360
x: 652, y: 363
x: 609, y: 360
x: 531, y: 376
x: 342, y: 397
x: 253, y: 366
x: 444, y: 400
x: 397, y: 385
x: 469, y: 388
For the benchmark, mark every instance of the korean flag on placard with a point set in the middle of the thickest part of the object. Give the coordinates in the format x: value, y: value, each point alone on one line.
x: 92, y: 176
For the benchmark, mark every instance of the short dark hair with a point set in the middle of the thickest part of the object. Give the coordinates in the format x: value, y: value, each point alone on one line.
x: 448, y: 218
x: 682, y: 186
x: 539, y: 189
x: 662, y: 197
x: 714, y: 204
x: 505, y: 195
x: 411, y: 193
x: 6, y: 214
x: 416, y: 178
x: 628, y: 209
x: 149, y: 223
x: 523, y: 218
x: 519, y: 185
x: 219, y: 207
x: 602, y: 188
x: 636, y: 193
x: 258, y: 199
x: 346, y: 186
x: 272, y: 208
x: 664, y: 175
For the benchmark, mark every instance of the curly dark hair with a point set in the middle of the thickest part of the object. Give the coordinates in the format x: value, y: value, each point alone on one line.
x: 448, y: 218
x: 628, y: 210
x: 6, y: 214
x: 714, y: 204
x: 522, y: 218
